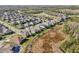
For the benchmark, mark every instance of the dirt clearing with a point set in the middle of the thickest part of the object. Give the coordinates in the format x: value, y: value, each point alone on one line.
x: 49, y: 42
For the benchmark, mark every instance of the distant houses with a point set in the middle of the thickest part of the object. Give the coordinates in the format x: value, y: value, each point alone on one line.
x: 4, y: 30
x: 31, y: 24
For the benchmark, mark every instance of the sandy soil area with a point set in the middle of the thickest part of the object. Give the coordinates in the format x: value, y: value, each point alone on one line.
x: 48, y: 42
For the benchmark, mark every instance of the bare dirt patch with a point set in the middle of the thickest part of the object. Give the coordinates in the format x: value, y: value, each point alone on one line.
x: 47, y: 43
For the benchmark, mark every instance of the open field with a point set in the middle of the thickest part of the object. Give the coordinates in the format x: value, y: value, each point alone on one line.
x: 71, y: 42
x: 49, y: 42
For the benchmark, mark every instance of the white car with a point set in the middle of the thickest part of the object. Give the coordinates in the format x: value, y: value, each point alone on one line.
x: 42, y: 27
